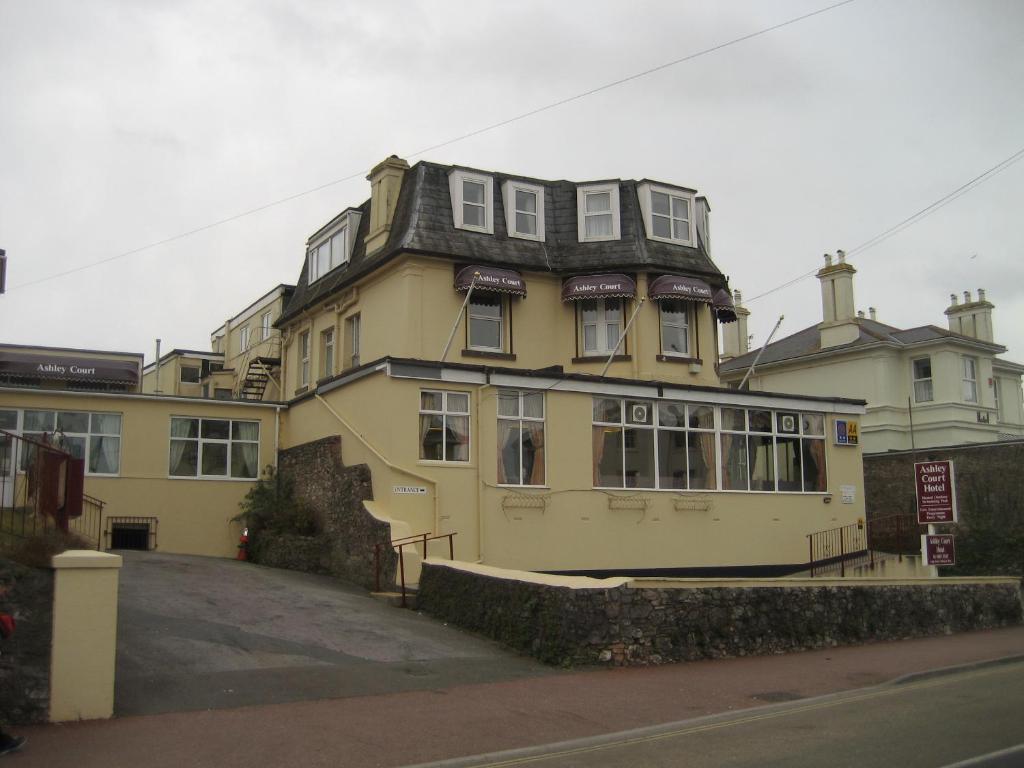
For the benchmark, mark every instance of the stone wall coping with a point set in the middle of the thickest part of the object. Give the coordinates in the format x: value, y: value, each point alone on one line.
x: 797, y: 581
x: 546, y: 579
x: 86, y: 558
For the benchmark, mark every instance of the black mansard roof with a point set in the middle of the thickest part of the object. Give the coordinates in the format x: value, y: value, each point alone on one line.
x: 423, y: 224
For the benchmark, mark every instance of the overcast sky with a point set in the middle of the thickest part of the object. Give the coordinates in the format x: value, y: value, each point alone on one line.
x: 126, y: 123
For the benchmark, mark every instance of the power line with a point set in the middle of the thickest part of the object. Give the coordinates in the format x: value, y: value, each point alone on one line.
x: 448, y: 142
x: 925, y: 212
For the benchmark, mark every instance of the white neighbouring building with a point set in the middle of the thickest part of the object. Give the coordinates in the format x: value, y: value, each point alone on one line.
x: 925, y: 386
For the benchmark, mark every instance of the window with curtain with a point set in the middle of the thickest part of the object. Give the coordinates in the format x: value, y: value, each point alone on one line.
x: 923, y: 392
x: 94, y: 437
x: 214, y: 448
x: 675, y: 326
x: 600, y: 325
x: 970, y: 379
x: 444, y: 425
x: 486, y: 312
x: 521, y: 455
x: 327, y: 352
x: 304, y: 358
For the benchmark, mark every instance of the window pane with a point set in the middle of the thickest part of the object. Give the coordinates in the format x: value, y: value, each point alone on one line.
x: 971, y: 391
x: 8, y: 420
x: 760, y: 421
x: 190, y: 374
x: 431, y: 437
x: 485, y: 333
x: 73, y: 421
x: 75, y: 446
x: 672, y: 459
x: 787, y: 456
x: 244, y: 460
x: 473, y: 215
x: 639, y: 449
x: 533, y: 453
x: 598, y: 202
x: 659, y: 203
x: 673, y: 340
x: 485, y: 304
x: 734, y: 418
x: 216, y: 429
x: 702, y: 417
x: 533, y: 405
x: 969, y: 368
x: 184, y: 427
x: 508, y: 453
x: 814, y: 465
x: 661, y: 226
x: 607, y: 409
x: 245, y: 430
x: 526, y: 223
x: 599, y: 225
x: 612, y: 310
x: 923, y: 391
x: 430, y: 401
x: 338, y: 249
x: 39, y: 421
x: 214, y: 458
x: 184, y: 458
x: 508, y: 403
x: 589, y: 309
x: 813, y: 424
x: 106, y: 424
x: 323, y: 259
x: 701, y: 453
x: 457, y: 438
x: 672, y: 414
x: 590, y: 338
x: 680, y: 229
x: 607, y: 446
x: 639, y: 412
x: 613, y: 332
x: 458, y: 402
x: 103, y: 455
x: 762, y: 463
x: 787, y: 423
x: 923, y: 368
x: 526, y: 201
x: 734, y: 462
x: 473, y: 192
x: 680, y: 208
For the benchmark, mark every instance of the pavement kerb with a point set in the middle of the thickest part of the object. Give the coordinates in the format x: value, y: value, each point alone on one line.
x: 526, y: 755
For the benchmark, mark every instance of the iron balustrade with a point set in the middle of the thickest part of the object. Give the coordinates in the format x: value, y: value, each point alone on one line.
x: 401, y: 543
x: 859, y: 543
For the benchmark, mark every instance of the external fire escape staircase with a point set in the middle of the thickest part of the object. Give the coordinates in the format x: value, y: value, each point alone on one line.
x: 259, y: 371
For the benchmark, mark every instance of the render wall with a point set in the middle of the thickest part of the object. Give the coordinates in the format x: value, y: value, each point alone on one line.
x: 622, y: 623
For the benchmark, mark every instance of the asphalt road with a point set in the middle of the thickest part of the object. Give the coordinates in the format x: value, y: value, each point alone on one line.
x: 198, y: 633
x: 928, y: 721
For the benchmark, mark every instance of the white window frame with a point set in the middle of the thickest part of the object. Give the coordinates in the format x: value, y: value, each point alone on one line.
x: 85, y: 436
x: 601, y: 325
x: 445, y: 413
x: 201, y: 442
x: 181, y: 370
x: 455, y: 181
x: 688, y: 324
x: 645, y: 192
x: 581, y: 211
x: 969, y: 384
x: 508, y: 194
x: 929, y: 380
x: 520, y: 418
x: 244, y: 338
x: 328, y: 347
x: 266, y: 321
x: 353, y: 326
x: 304, y: 344
x: 503, y: 309
x: 338, y: 238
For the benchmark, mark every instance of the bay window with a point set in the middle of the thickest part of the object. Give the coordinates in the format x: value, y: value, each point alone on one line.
x: 970, y: 379
x: 923, y: 391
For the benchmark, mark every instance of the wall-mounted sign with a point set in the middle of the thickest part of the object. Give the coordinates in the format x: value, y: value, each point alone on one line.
x: 936, y: 492
x: 416, y: 490
x: 938, y: 549
x: 847, y: 493
x: 847, y: 432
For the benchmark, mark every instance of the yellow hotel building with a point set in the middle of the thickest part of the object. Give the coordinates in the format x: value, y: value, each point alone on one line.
x: 530, y: 364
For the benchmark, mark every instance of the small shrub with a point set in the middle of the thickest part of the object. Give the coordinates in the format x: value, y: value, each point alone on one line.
x: 270, y: 507
x: 38, y: 550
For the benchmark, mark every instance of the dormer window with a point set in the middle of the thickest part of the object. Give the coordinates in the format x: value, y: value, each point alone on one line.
x: 524, y: 210
x: 598, y: 212
x: 332, y: 246
x: 472, y: 201
x: 668, y: 213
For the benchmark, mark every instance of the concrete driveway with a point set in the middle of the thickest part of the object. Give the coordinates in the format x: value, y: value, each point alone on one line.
x: 207, y: 633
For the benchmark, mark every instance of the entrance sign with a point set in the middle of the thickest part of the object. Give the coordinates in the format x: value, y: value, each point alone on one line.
x: 938, y: 549
x: 936, y: 492
x: 846, y: 432
x: 415, y: 490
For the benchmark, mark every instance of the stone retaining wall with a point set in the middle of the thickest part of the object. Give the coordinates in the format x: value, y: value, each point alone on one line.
x: 27, y: 594
x: 336, y: 494
x: 627, y: 622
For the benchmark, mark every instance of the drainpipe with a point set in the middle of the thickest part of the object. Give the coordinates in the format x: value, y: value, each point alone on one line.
x: 277, y: 434
x: 479, y: 474
x: 157, y: 390
x: 387, y: 463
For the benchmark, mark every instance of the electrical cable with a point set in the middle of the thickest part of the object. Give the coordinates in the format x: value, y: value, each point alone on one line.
x: 446, y: 143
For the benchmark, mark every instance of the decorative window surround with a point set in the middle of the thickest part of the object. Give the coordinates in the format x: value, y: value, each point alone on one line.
x: 472, y: 197
x: 595, y: 205
x: 332, y: 246
x: 518, y: 197
x: 668, y: 211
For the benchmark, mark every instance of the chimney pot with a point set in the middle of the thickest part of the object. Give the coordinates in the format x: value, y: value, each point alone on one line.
x: 842, y: 256
x: 967, y: 297
x: 981, y: 294
x: 828, y: 259
x: 872, y: 313
x: 860, y: 313
x: 952, y: 299
x: 737, y: 297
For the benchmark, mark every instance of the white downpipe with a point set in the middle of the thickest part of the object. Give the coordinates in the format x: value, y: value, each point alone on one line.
x: 389, y: 464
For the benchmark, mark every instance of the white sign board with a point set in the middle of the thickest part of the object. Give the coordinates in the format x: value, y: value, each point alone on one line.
x: 416, y: 490
x: 848, y: 493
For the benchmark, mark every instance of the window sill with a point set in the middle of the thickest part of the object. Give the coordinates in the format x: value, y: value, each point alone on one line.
x: 602, y: 359
x: 679, y: 359
x: 488, y: 355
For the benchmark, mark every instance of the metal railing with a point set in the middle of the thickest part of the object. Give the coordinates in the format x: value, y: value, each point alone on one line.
x: 41, y: 490
x: 400, y: 544
x: 861, y: 543
x: 118, y: 529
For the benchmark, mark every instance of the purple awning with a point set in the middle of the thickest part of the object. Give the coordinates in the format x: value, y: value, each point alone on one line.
x: 490, y: 279
x: 723, y: 306
x: 598, y: 287
x: 678, y: 287
x: 69, y: 368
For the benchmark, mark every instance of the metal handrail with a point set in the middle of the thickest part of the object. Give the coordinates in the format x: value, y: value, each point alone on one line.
x: 401, y: 543
x: 853, y: 543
